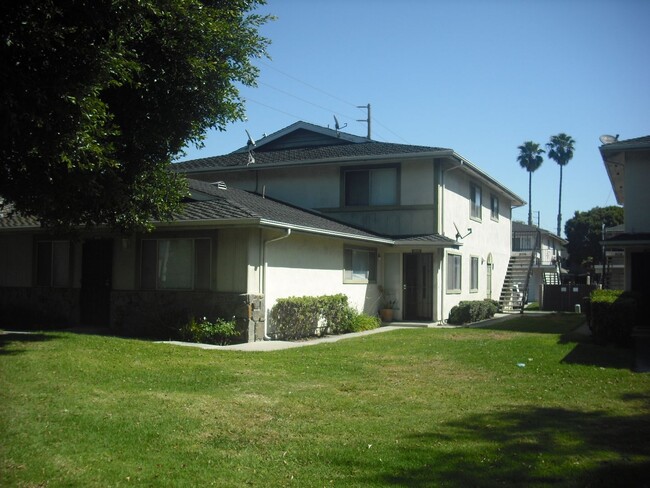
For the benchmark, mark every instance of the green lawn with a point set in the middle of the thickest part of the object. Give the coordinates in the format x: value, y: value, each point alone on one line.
x: 412, y: 408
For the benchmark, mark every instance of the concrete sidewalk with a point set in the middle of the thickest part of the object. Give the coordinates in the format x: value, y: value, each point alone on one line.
x: 280, y: 345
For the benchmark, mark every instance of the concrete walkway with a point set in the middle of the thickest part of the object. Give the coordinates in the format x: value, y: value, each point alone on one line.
x: 279, y: 345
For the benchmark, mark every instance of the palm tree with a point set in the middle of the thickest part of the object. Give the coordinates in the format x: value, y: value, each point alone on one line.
x: 530, y: 158
x: 560, y: 150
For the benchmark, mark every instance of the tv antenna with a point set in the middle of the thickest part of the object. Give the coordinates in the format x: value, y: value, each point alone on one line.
x: 367, y: 119
x: 607, y: 139
x: 460, y: 236
x: 250, y: 144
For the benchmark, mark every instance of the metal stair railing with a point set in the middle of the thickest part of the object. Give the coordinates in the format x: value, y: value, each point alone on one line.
x: 536, y: 248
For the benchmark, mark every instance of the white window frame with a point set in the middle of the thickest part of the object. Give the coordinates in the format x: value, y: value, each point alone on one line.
x: 475, y: 208
x: 494, y: 212
x: 359, y: 255
x: 58, y: 267
x: 374, y: 199
x: 454, y: 273
x: 473, y: 274
x: 162, y: 265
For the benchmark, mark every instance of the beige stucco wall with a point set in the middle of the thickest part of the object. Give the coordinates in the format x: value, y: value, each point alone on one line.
x: 303, y: 265
x: 16, y: 251
x: 488, y: 237
x: 637, y: 196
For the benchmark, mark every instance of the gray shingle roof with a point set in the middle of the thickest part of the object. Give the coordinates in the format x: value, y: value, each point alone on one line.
x: 233, y: 203
x: 307, y: 154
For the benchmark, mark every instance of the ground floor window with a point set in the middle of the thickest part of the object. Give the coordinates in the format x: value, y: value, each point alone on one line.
x: 360, y: 265
x: 473, y: 277
x: 176, y: 264
x: 454, y: 273
x: 53, y: 263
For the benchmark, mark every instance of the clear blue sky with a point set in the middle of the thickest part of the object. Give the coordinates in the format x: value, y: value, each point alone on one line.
x: 478, y: 76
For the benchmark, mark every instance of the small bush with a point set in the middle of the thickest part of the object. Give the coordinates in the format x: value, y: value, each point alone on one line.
x: 298, y: 317
x: 467, y: 312
x: 613, y: 315
x: 221, y: 332
x: 363, y: 322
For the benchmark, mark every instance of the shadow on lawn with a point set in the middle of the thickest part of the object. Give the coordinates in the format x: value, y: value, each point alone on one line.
x: 9, y: 338
x: 531, y: 447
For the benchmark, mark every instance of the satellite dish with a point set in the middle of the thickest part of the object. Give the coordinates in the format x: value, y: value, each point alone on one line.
x: 251, y: 142
x: 459, y: 235
x: 607, y: 139
x: 338, y: 126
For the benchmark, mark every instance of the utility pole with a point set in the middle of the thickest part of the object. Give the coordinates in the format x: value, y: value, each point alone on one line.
x: 366, y: 120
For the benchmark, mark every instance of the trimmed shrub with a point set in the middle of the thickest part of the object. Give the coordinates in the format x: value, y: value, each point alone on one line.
x: 363, y: 322
x: 295, y: 317
x: 467, y: 312
x: 336, y: 313
x: 298, y: 317
x: 613, y: 315
x: 221, y: 332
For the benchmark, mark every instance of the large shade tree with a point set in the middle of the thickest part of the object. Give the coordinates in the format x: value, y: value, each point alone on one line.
x: 560, y: 149
x: 530, y: 158
x: 584, y: 231
x: 98, y: 96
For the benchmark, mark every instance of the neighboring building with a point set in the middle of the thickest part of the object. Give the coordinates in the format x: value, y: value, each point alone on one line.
x: 540, y: 251
x: 306, y: 211
x: 628, y: 167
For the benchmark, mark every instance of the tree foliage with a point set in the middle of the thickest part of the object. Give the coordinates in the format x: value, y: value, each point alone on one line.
x: 584, y: 233
x: 560, y: 149
x: 530, y: 158
x: 98, y: 96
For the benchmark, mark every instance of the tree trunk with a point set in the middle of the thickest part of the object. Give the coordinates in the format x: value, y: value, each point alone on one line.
x: 559, y: 207
x: 530, y: 198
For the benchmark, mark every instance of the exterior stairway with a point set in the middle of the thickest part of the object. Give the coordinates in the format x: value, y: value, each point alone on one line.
x: 512, y: 293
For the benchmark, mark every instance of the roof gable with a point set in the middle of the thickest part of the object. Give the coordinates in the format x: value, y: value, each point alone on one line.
x: 302, y: 135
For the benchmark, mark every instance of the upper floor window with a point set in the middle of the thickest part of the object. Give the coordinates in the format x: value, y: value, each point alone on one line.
x: 494, y: 207
x: 53, y: 263
x: 370, y: 187
x: 360, y: 265
x: 176, y: 264
x: 476, y: 199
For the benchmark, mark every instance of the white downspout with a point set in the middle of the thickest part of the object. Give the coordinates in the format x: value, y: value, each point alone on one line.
x: 264, y: 269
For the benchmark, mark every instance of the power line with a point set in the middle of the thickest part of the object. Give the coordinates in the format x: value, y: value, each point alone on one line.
x: 307, y: 84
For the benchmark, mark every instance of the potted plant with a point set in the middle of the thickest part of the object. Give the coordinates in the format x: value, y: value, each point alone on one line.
x: 386, y: 310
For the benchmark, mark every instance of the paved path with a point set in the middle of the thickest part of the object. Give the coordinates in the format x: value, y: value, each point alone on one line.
x: 279, y: 345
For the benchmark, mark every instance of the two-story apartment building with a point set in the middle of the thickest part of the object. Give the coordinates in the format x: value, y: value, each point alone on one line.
x: 306, y: 211
x: 628, y: 167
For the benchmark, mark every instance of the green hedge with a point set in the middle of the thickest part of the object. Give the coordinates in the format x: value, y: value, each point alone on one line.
x: 467, y: 312
x: 612, y: 316
x: 300, y: 317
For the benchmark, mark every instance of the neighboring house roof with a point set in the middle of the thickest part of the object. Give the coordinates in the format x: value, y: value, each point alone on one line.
x: 614, y: 156
x: 521, y: 227
x: 11, y: 220
x: 291, y: 146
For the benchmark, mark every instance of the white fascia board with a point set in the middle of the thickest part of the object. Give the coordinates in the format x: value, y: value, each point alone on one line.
x: 324, y: 232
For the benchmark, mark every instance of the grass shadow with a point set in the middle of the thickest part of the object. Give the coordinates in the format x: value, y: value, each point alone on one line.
x: 530, y: 447
x: 554, y: 323
x: 13, y: 337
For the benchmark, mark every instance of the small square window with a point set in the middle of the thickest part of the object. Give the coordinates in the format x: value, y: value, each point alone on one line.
x: 360, y: 265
